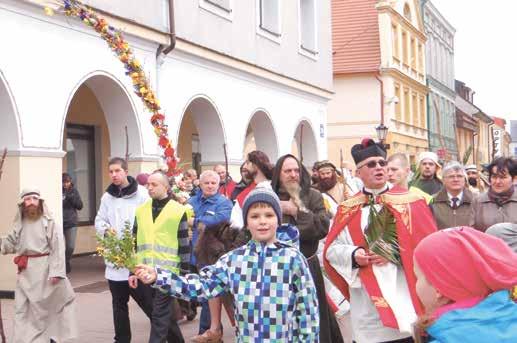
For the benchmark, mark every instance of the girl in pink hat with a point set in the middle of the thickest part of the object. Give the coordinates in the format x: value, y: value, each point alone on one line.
x: 465, y: 282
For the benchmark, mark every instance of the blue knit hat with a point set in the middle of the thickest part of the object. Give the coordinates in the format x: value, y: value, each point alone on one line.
x: 264, y: 195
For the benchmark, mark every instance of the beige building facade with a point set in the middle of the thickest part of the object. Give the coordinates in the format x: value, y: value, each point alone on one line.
x: 379, y: 77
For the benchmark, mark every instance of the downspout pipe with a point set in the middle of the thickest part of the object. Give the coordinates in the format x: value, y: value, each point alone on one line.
x: 172, y: 33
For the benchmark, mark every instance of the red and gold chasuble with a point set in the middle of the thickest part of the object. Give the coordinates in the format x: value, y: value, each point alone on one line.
x: 414, y: 221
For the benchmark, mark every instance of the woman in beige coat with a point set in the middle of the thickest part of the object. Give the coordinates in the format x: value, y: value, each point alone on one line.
x: 499, y: 204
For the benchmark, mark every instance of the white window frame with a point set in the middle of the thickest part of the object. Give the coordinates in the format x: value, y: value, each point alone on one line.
x: 312, y: 54
x: 272, y: 36
x: 212, y: 7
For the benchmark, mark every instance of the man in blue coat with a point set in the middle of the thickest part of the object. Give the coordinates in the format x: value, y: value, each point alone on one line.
x: 211, y: 210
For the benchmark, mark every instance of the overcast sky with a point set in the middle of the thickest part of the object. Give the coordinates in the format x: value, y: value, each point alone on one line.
x: 486, y: 51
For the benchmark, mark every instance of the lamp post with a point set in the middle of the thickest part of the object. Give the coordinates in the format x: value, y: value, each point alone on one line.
x: 382, y: 133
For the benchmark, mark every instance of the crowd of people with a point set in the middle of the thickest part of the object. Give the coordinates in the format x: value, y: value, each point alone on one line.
x: 375, y: 253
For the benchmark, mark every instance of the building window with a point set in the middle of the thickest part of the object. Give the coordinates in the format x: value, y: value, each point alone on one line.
x: 420, y: 58
x: 308, y: 26
x: 398, y: 107
x: 422, y: 112
x: 221, y: 8
x: 407, y: 12
x: 414, y: 108
x: 413, y: 54
x: 221, y: 4
x: 80, y: 164
x: 270, y: 17
x: 407, y: 108
x: 395, y: 40
x: 405, y: 58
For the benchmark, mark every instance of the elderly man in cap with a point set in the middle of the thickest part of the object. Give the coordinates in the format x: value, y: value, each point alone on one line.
x: 44, y: 309
x: 428, y: 168
x: 368, y: 252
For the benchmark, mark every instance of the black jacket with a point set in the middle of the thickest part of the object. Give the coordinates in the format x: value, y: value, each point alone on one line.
x: 71, y: 204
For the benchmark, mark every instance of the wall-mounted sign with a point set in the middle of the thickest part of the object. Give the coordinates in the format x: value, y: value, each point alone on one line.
x: 322, y: 131
x: 497, y: 136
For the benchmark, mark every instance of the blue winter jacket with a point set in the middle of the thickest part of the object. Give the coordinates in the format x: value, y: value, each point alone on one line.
x: 492, y: 320
x: 211, y: 211
x: 272, y: 287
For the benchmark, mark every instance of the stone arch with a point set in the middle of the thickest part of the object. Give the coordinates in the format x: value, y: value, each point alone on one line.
x: 304, y: 139
x: 261, y: 135
x: 201, y: 134
x: 10, y: 133
x: 118, y: 108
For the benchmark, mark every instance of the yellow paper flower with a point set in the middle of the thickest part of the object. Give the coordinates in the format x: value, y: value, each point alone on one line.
x: 49, y: 11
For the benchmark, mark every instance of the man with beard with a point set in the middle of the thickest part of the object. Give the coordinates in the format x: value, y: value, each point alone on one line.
x: 428, y: 168
x: 333, y: 192
x: 368, y: 252
x: 303, y: 207
x: 44, y: 298
x: 226, y: 184
x: 476, y: 185
x: 259, y: 171
x: 243, y: 183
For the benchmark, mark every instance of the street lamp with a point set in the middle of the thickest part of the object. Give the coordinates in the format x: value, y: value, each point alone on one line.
x: 382, y: 132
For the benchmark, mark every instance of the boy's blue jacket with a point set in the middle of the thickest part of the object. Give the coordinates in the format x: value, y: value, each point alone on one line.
x: 492, y: 320
x: 274, y: 294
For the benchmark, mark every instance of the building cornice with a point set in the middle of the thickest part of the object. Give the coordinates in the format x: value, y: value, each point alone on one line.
x: 403, y: 78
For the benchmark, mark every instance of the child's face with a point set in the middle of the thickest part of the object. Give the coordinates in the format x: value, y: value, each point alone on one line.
x: 262, y: 223
x: 429, y: 296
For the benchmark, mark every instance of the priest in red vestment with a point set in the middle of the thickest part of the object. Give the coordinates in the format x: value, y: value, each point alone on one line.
x: 368, y: 253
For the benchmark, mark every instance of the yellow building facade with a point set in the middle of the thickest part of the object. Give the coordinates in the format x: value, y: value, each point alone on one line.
x: 403, y: 60
x: 379, y: 77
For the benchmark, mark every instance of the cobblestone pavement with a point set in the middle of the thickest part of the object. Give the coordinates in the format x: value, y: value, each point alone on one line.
x: 93, y: 303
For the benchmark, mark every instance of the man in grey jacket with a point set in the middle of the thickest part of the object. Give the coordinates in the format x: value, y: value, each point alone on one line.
x: 451, y: 206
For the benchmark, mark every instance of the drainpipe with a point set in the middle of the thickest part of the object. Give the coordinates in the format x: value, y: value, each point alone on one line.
x: 172, y: 33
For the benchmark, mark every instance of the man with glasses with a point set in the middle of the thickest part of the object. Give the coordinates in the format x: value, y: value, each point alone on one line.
x: 451, y: 206
x: 368, y: 253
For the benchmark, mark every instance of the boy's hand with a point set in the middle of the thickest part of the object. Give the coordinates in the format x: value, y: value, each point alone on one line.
x: 133, y: 281
x: 146, y: 274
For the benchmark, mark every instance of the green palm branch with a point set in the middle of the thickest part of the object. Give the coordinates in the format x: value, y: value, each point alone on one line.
x: 381, y: 234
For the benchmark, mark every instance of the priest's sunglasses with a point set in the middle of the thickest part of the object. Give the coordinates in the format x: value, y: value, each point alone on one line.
x: 373, y: 164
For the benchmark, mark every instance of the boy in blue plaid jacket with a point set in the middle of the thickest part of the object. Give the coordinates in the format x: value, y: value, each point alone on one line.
x: 274, y: 294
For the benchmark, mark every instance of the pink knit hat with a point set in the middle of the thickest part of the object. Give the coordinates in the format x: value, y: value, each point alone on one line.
x: 463, y: 263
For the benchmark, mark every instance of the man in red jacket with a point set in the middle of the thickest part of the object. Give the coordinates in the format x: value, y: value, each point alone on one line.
x: 226, y: 184
x: 368, y: 253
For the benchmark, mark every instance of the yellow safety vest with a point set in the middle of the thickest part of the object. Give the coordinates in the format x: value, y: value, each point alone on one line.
x: 157, y: 242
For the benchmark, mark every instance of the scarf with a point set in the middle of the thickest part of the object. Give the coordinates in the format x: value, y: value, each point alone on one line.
x: 500, y: 198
